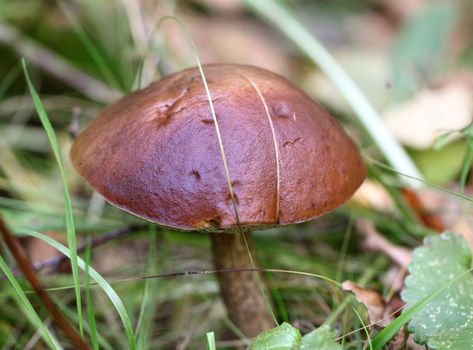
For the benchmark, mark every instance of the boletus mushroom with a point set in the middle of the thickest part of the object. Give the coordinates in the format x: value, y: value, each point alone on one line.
x: 156, y: 154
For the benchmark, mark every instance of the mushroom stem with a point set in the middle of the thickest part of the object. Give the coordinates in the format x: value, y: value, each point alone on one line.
x: 244, y: 301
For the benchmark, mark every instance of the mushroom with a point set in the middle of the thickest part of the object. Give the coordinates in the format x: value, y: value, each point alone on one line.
x: 156, y: 154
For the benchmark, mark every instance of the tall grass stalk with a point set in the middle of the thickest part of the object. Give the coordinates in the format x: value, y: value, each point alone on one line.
x: 71, y: 234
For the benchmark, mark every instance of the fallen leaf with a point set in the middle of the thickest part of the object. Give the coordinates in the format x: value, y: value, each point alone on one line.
x: 419, y: 121
x: 376, y: 242
x: 39, y: 251
x: 372, y: 300
x: 374, y: 196
x: 379, y: 312
x: 455, y: 214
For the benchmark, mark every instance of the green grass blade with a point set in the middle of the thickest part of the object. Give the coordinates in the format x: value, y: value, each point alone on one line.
x: 211, y: 341
x: 466, y: 165
x: 106, y: 287
x: 88, y: 300
x: 364, y: 328
x: 71, y: 234
x: 30, y: 312
x: 280, y: 17
x: 9, y: 79
x: 72, y: 316
x: 90, y: 47
x: 148, y: 305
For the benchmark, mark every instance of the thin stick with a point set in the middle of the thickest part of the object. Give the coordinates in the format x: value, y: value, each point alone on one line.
x: 25, y: 266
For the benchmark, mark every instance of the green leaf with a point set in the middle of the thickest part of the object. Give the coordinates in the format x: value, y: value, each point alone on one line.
x: 283, y: 337
x: 446, y: 322
x: 286, y: 337
x: 322, y: 338
x: 442, y: 165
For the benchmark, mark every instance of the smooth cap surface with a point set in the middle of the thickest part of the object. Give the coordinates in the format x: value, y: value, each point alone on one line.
x: 155, y: 153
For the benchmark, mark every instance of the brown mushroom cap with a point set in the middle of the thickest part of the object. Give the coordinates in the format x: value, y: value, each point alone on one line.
x: 155, y: 153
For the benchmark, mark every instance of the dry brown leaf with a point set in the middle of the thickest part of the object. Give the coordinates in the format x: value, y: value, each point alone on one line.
x: 455, y: 213
x: 379, y: 312
x: 394, y: 278
x: 38, y: 250
x: 372, y: 300
x: 374, y: 196
x: 376, y: 242
x: 111, y: 258
x: 419, y: 121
